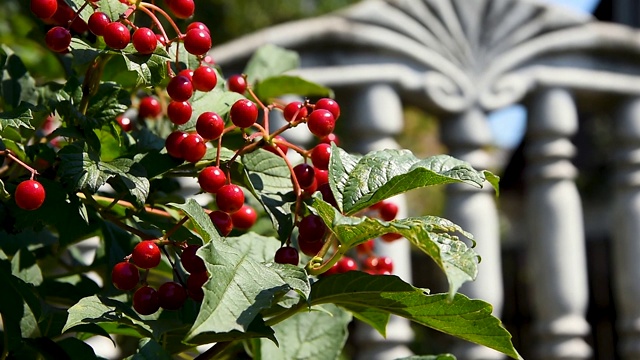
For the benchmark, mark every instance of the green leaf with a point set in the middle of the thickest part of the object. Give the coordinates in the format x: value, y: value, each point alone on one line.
x: 259, y: 248
x: 16, y: 84
x: 240, y: 288
x: 113, y: 8
x: 201, y: 221
x: 109, y: 101
x: 461, y: 317
x: 385, y: 173
x: 270, y: 182
x: 276, y: 86
x: 148, y: 349
x: 431, y: 234
x: 151, y: 69
x: 25, y: 268
x: 376, y: 318
x: 19, y: 117
x: 216, y: 100
x: 430, y: 357
x: 270, y: 60
x: 77, y: 349
x: 4, y: 195
x: 129, y: 176
x: 318, y: 335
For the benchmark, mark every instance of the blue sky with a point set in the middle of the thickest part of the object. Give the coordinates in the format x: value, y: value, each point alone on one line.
x: 508, y: 125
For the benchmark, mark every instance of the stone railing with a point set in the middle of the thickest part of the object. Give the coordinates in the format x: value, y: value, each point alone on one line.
x: 460, y: 59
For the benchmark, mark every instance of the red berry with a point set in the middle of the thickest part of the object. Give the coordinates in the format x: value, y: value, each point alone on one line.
x: 161, y: 39
x: 309, y: 190
x: 210, y: 125
x: 197, y: 42
x: 125, y: 123
x: 385, y: 264
x: 211, y: 179
x: 388, y: 210
x: 204, y: 78
x: 125, y: 276
x: 331, y: 138
x: 332, y: 270
x: 230, y: 198
x: 244, y: 218
x: 244, y: 113
x: 311, y: 232
x: 305, y: 175
x: 237, y: 83
x: 145, y: 301
x: 188, y: 73
x: 173, y: 141
x: 29, y: 195
x: 390, y: 237
x: 294, y: 111
x: 366, y: 247
x: 222, y: 222
x: 146, y: 254
x: 278, y: 140
x: 328, y: 104
x: 327, y: 194
x: 346, y: 264
x: 116, y: 35
x: 179, y: 112
x: 182, y: 9
x: 171, y: 296
x: 144, y: 40
x: 322, y: 176
x: 287, y: 255
x: 320, y: 156
x: 180, y: 88
x: 149, y: 107
x: 190, y: 261
x: 44, y: 9
x: 321, y: 122
x: 58, y: 39
x: 198, y: 25
x: 98, y: 22
x: 195, y: 283
x: 193, y: 148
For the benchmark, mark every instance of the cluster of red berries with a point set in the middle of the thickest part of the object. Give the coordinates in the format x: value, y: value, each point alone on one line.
x: 170, y: 295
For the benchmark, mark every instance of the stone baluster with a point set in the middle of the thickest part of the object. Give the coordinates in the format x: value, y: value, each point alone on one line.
x: 626, y: 229
x: 375, y: 116
x: 467, y: 135
x: 555, y: 230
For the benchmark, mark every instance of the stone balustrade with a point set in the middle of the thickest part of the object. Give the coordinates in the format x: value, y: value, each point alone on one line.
x: 459, y: 60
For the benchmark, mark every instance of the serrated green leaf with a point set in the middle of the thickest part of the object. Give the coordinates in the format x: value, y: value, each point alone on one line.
x: 240, y: 288
x: 318, y: 335
x: 185, y: 59
x: 151, y: 69
x: 270, y: 60
x: 276, y: 86
x: 86, y: 10
x: 128, y: 175
x: 83, y: 53
x: 109, y: 101
x: 16, y: 84
x: 270, y: 182
x: 201, y: 221
x: 433, y: 235
x: 217, y: 100
x: 385, y: 173
x: 259, y: 248
x: 113, y: 8
x: 148, y: 349
x: 25, y: 268
x: 461, y: 317
x: 20, y: 117
x: 376, y: 318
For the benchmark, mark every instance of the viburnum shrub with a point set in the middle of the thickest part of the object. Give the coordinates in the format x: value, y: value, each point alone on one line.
x: 98, y: 154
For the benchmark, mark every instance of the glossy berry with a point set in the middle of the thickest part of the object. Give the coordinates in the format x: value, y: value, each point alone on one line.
x: 161, y: 39
x: 193, y: 148
x: 332, y: 270
x: 304, y: 174
x: 311, y: 232
x: 44, y: 9
x: 149, y: 107
x: 322, y: 176
x: 180, y: 88
x: 346, y: 264
x: 116, y: 35
x: 327, y: 194
x: 198, y: 25
x: 244, y: 113
x: 385, y: 264
x: 366, y: 247
x: 211, y: 179
x: 388, y: 210
x: 125, y: 276
x: 182, y: 9
x: 179, y: 112
x: 331, y: 138
x: 144, y: 40
x: 29, y: 195
x: 58, y: 39
x: 125, y: 123
x: 195, y: 283
x: 230, y: 198
x: 222, y: 221
x: 237, y: 83
x: 321, y: 122
x: 320, y: 156
x: 210, y: 125
x: 197, y: 41
x: 173, y: 141
x: 98, y: 22
x: 278, y: 140
x: 309, y: 190
x: 204, y: 78
x: 294, y: 110
x: 330, y: 105
x: 287, y: 255
x: 146, y: 254
x: 145, y: 301
x: 171, y: 296
x: 188, y: 73
x: 390, y: 237
x: 244, y: 218
x: 190, y: 261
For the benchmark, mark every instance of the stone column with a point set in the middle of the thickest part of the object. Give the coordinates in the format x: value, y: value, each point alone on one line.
x: 467, y: 135
x: 626, y: 229
x: 375, y: 117
x: 555, y: 229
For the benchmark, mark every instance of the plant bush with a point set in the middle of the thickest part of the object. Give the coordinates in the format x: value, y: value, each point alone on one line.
x: 100, y: 154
